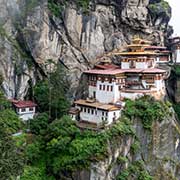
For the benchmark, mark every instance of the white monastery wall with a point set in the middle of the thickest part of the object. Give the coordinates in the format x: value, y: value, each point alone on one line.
x: 125, y: 65
x: 178, y: 55
x: 113, y: 115
x: 141, y: 65
x: 132, y: 96
x: 94, y: 115
x: 92, y: 89
x: 107, y: 96
x: 26, y: 113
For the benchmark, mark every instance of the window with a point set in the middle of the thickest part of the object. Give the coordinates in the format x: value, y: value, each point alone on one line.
x: 94, y: 95
x: 92, y: 111
x: 84, y: 109
x: 107, y: 87
x: 100, y: 87
x: 102, y: 79
x: 110, y: 80
x: 31, y: 109
x: 88, y: 111
x: 104, y: 87
x: 111, y: 88
x: 106, y: 113
x: 23, y: 110
x: 103, y: 113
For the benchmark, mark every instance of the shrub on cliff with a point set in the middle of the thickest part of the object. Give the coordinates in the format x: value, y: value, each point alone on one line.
x: 147, y: 110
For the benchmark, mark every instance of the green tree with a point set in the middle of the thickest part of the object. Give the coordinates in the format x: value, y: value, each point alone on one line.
x: 50, y: 94
x: 4, y: 103
x: 11, y: 157
x: 41, y: 94
x: 39, y: 124
x: 9, y: 121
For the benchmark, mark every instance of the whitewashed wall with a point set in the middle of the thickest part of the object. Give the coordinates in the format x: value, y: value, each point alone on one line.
x: 104, y: 96
x: 92, y: 89
x: 98, y: 116
x: 178, y: 55
x: 26, y: 114
x: 125, y: 65
x: 141, y: 65
x: 131, y: 95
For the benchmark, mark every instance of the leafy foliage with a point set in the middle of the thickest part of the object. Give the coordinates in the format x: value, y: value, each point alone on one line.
x: 135, y: 171
x: 50, y: 94
x: 33, y: 150
x: 11, y: 157
x: 75, y: 148
x: 177, y: 109
x: 84, y: 4
x: 1, y: 79
x: 135, y: 146
x: 36, y: 172
x: 122, y: 159
x: 160, y: 7
x: 176, y: 69
x: 39, y: 124
x: 147, y: 109
x: 4, y: 103
x: 65, y: 148
x: 56, y: 7
x: 9, y: 121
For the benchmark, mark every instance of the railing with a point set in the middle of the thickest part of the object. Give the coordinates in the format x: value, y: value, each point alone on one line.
x: 133, y: 83
x: 149, y: 80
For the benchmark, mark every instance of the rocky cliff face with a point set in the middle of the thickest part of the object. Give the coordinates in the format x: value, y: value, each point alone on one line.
x: 31, y: 34
x: 159, y: 153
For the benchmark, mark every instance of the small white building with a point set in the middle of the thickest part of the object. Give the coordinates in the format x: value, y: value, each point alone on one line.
x: 25, y: 109
x: 95, y: 113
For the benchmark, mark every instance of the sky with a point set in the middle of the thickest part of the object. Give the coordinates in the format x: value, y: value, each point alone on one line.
x: 175, y: 20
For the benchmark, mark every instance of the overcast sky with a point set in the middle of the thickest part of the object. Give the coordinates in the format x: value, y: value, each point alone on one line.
x: 175, y: 20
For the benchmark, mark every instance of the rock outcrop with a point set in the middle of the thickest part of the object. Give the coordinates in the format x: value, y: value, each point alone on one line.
x: 32, y: 35
x: 159, y: 152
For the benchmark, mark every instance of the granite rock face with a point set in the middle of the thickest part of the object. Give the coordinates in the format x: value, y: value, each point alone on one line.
x: 159, y: 151
x: 74, y: 38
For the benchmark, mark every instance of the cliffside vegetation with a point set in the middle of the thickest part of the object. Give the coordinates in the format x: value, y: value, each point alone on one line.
x: 59, y: 148
x: 56, y: 6
x: 147, y: 110
x: 175, y: 76
x: 51, y: 93
x: 160, y: 8
x: 136, y: 170
x: 11, y: 156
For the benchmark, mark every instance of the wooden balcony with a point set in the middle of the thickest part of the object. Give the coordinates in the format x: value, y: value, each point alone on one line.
x: 150, y: 81
x: 133, y: 83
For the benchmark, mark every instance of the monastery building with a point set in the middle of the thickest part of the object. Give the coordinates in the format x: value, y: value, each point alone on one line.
x: 108, y: 84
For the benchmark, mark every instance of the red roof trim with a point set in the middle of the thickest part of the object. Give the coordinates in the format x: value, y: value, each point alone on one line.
x: 23, y: 104
x: 110, y: 66
x: 120, y: 71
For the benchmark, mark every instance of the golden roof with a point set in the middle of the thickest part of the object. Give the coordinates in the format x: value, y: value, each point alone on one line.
x: 136, y: 53
x: 106, y: 107
x: 140, y: 41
